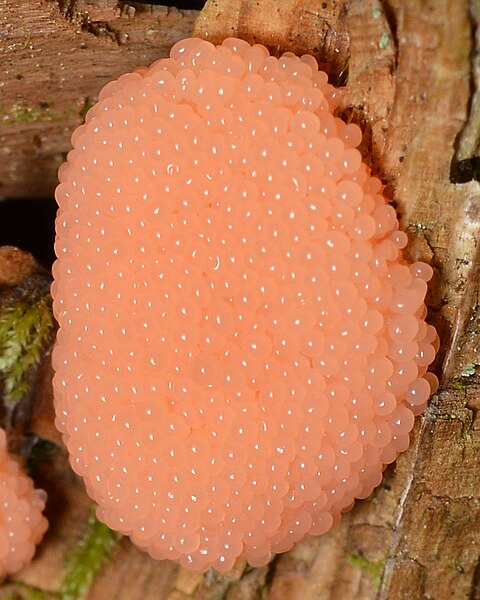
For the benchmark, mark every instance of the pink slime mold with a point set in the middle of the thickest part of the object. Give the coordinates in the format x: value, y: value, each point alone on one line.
x: 242, y: 347
x: 22, y: 524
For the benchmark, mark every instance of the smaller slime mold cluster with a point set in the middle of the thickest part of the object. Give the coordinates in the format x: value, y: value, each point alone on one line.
x: 242, y: 346
x: 22, y: 523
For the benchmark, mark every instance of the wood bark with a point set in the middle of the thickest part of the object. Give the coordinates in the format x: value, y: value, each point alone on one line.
x: 411, y: 71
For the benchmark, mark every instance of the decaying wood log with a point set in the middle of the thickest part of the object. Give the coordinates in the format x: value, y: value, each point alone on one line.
x: 411, y: 79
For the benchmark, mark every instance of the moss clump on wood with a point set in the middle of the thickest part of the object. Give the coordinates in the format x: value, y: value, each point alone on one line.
x: 22, y: 113
x: 373, y: 568
x: 25, y: 329
x: 466, y: 379
x: 85, y: 108
x: 86, y: 560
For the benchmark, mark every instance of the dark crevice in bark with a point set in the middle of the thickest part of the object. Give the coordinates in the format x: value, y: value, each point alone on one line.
x: 29, y: 224
x: 475, y: 591
x: 392, y: 24
x: 465, y: 170
x: 74, y: 14
x: 465, y: 312
x: 465, y: 165
x: 101, y: 29
x: 78, y: 13
x: 271, y: 571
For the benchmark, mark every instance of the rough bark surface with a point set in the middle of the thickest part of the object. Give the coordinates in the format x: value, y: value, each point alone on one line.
x: 412, y: 86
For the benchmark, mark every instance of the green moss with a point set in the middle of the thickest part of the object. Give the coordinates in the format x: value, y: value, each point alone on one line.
x: 25, y: 328
x: 458, y: 383
x: 86, y: 560
x: 373, y: 568
x: 85, y: 108
x: 461, y: 383
x: 21, y: 113
x: 35, y: 594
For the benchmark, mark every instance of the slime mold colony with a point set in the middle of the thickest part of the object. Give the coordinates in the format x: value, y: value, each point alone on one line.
x: 22, y: 524
x: 242, y: 347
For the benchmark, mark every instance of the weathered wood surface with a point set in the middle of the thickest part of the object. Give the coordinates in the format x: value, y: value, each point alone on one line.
x: 55, y: 57
x: 410, y: 80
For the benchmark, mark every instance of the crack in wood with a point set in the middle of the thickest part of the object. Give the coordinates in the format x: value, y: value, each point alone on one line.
x: 271, y: 570
x: 100, y: 28
x: 391, y: 19
x: 462, y: 318
x: 475, y: 591
x: 390, y: 563
x: 465, y: 165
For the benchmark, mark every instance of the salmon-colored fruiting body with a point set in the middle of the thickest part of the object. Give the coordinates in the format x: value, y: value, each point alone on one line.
x: 22, y: 523
x: 242, y: 347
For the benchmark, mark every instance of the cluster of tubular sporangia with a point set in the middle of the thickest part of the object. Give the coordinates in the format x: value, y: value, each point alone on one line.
x: 242, y: 346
